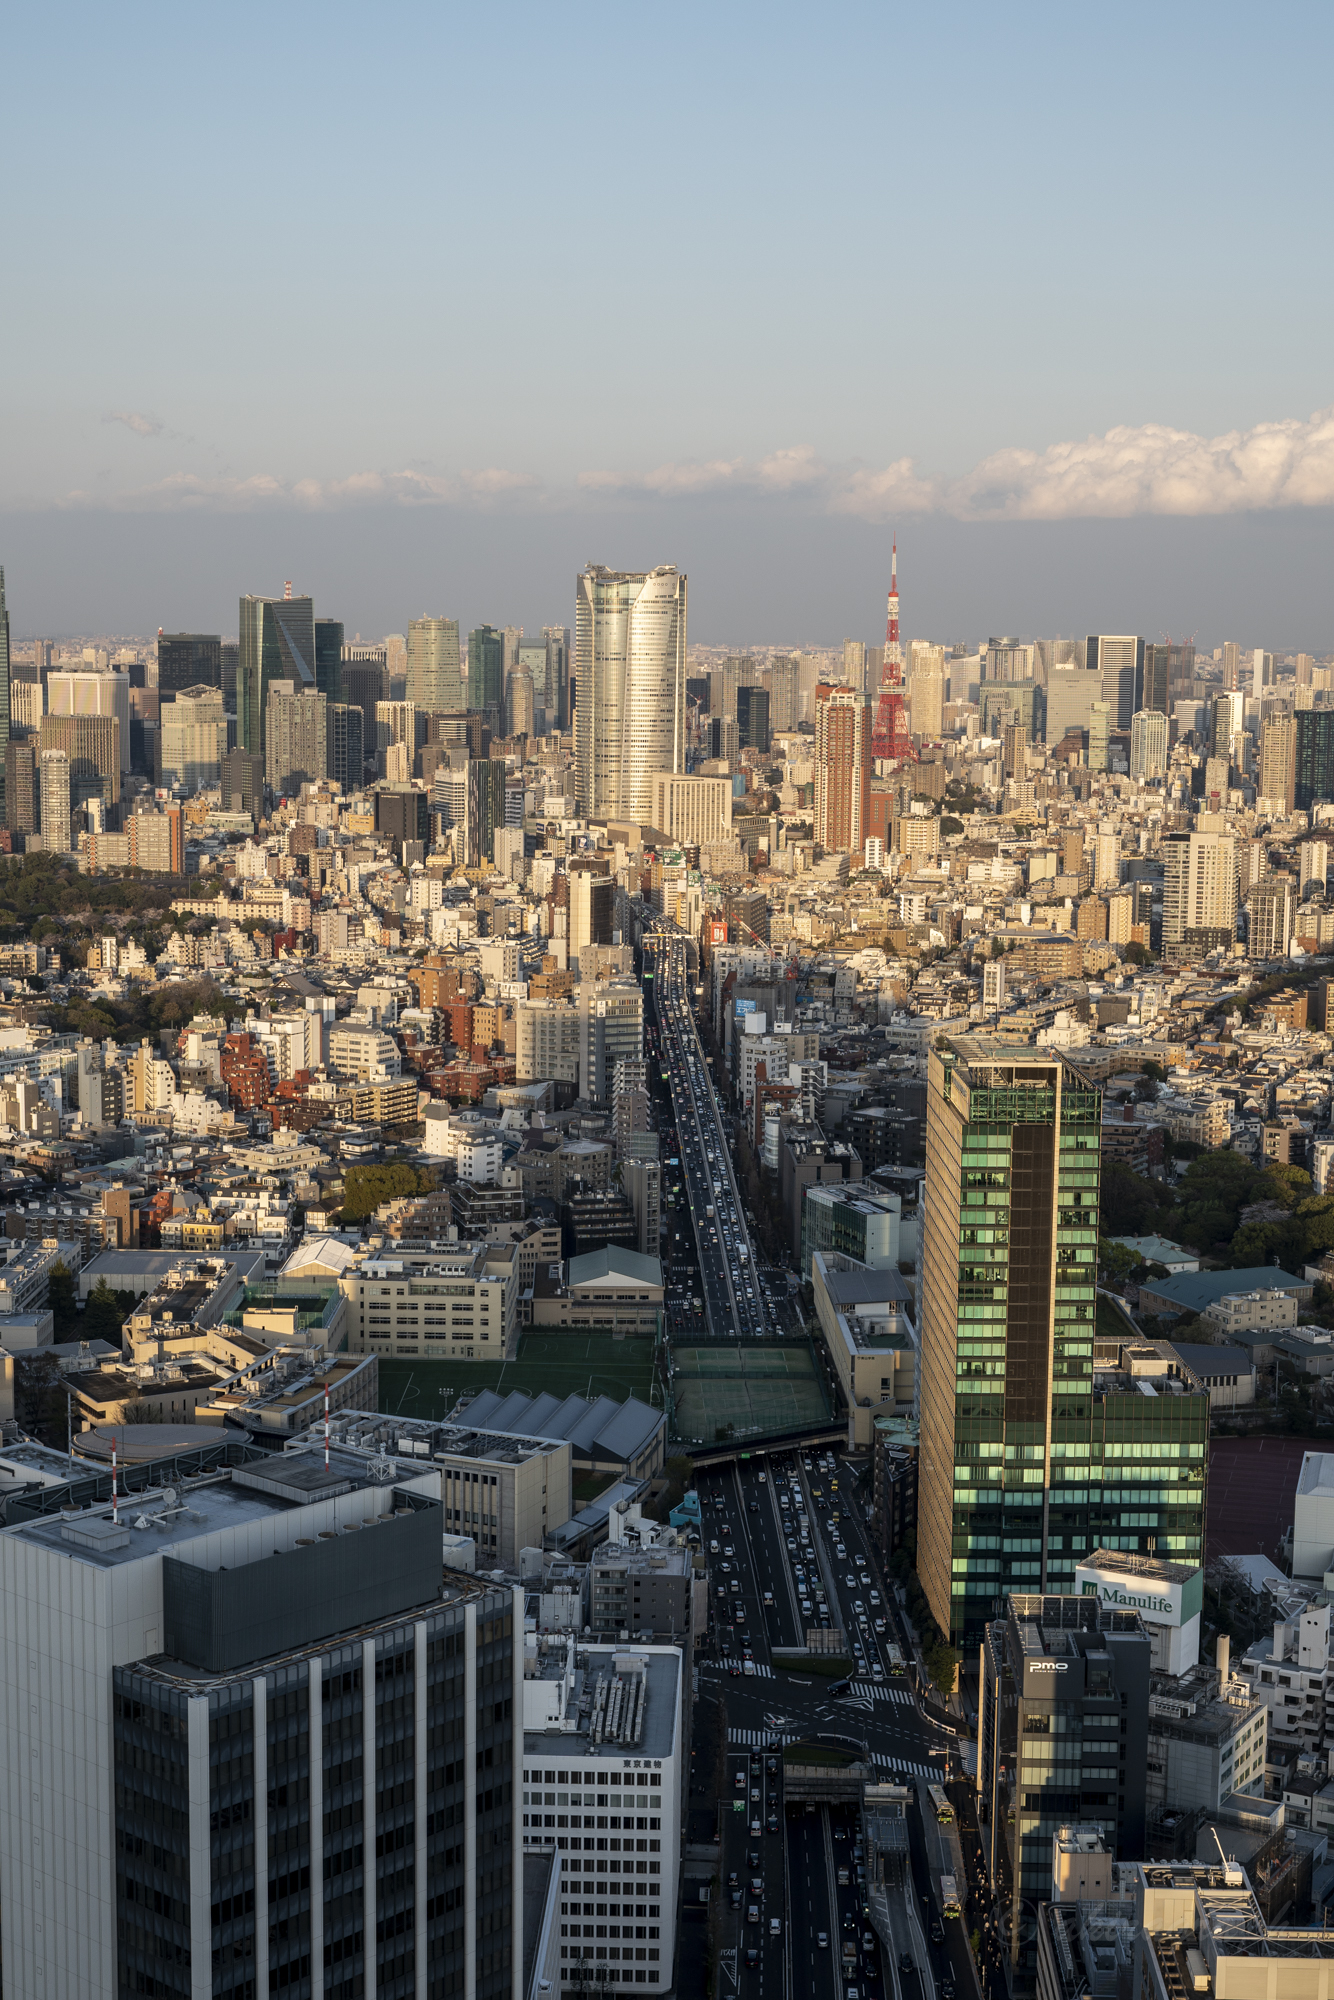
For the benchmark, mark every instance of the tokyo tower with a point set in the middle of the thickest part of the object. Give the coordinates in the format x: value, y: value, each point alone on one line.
x: 891, y: 736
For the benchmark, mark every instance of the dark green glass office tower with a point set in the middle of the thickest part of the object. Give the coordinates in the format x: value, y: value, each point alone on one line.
x: 752, y: 718
x: 1315, y: 757
x: 1038, y: 1443
x: 4, y: 695
x: 486, y: 668
x: 329, y: 658
x: 188, y: 660
x: 277, y: 642
x: 345, y: 746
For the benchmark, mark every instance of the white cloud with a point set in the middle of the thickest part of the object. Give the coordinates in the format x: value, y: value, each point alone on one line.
x: 1149, y: 470
x: 137, y: 421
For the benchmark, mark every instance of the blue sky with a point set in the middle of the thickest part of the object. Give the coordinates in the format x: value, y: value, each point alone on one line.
x: 430, y: 295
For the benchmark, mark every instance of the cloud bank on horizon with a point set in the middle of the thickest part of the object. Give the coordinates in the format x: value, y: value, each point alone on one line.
x: 1151, y: 469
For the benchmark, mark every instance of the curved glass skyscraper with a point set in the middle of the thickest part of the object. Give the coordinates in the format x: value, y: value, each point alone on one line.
x: 630, y: 678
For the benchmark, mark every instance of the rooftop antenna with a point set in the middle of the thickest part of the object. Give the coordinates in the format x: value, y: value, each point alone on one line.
x: 287, y: 589
x: 326, y: 1426
x: 115, y: 1486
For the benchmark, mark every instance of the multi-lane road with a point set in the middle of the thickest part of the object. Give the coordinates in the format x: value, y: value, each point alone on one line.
x: 781, y: 1565
x: 733, y: 1296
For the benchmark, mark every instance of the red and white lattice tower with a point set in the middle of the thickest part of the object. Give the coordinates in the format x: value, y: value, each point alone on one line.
x: 891, y: 736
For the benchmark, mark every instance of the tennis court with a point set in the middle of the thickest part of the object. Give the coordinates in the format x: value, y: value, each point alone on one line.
x: 757, y: 1387
x: 577, y: 1364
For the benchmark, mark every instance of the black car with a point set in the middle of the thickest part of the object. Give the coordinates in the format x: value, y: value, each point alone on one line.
x: 905, y: 1962
x: 752, y: 1957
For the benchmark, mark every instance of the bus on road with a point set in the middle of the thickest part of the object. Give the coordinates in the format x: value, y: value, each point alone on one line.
x: 949, y: 1896
x: 895, y: 1658
x: 944, y: 1811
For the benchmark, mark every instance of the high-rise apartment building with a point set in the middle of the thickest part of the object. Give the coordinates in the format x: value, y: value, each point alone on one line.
x: 926, y: 690
x: 277, y: 642
x: 296, y: 738
x: 1100, y: 731
x: 435, y: 673
x: 611, y: 1031
x: 188, y: 660
x: 1314, y: 758
x: 55, y: 800
x: 486, y: 671
x: 21, y: 787
x: 785, y: 691
x: 1312, y: 867
x: 1034, y: 1451
x: 630, y: 670
x: 329, y: 658
x: 843, y: 723
x: 1278, y: 762
x: 1305, y: 669
x: 1199, y: 890
x: 1271, y: 917
x: 243, y: 782
x: 74, y: 691
x: 1149, y: 731
x: 192, y: 739
x: 752, y: 718
x: 346, y: 746
x: 1119, y: 658
x: 262, y: 1750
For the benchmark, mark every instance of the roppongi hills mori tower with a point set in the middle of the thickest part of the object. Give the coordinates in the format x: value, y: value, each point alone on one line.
x: 630, y: 687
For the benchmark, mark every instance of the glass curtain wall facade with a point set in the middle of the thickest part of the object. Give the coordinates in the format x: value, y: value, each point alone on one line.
x: 630, y: 699
x: 486, y: 672
x: 329, y: 658
x: 1314, y: 757
x: 1036, y: 1446
x: 188, y: 660
x: 434, y: 677
x: 277, y: 642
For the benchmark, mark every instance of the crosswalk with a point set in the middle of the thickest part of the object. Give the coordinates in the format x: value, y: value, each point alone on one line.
x: 758, y: 1739
x: 878, y: 1691
x: 903, y: 1769
x: 756, y: 1671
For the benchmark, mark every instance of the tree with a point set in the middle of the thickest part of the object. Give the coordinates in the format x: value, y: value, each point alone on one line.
x: 61, y: 1299
x: 1116, y: 1260
x: 942, y: 1664
x: 1132, y: 1205
x: 365, y: 1188
x: 139, y: 1412
x: 103, y: 1316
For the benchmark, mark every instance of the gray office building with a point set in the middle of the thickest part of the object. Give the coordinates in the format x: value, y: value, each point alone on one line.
x: 188, y: 660
x: 277, y: 643
x: 250, y: 1745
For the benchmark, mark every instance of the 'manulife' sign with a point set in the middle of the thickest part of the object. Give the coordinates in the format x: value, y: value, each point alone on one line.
x: 1157, y: 1601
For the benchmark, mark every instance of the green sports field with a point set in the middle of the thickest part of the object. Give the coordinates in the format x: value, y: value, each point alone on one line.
x: 758, y: 1387
x: 582, y: 1364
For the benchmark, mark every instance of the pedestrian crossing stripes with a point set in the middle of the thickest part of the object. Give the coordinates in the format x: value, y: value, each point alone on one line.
x: 877, y: 1691
x: 758, y: 1739
x: 756, y: 1670
x: 897, y: 1764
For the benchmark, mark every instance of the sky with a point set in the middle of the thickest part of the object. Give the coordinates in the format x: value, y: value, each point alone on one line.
x: 426, y: 306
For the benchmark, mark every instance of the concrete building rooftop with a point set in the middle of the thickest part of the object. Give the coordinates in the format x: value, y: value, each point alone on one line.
x: 647, y: 1730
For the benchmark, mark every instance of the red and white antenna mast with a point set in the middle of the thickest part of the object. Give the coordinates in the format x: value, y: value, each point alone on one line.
x: 891, y: 737
x: 891, y: 674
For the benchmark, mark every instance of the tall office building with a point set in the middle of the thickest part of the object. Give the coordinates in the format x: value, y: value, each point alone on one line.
x: 434, y: 676
x: 1305, y: 666
x: 277, y: 643
x: 1278, y: 761
x: 188, y: 660
x: 854, y: 664
x: 1231, y: 665
x: 1157, y: 692
x: 20, y: 793
x: 231, y: 652
x: 752, y: 718
x: 560, y: 682
x: 592, y: 909
x: 694, y: 811
x: 1071, y: 693
x: 92, y: 746
x: 79, y: 691
x: 1271, y: 917
x: 1148, y: 744
x: 296, y: 738
x: 486, y: 671
x: 1119, y: 658
x: 535, y: 661
x: 365, y: 683
x: 486, y: 807
x: 262, y: 1750
x: 55, y: 802
x: 520, y: 703
x: 1227, y: 723
x: 1199, y: 890
x: 329, y: 658
x: 346, y: 746
x: 243, y: 782
x: 1262, y: 671
x: 1314, y: 758
x: 630, y: 670
x: 1030, y: 1456
x: 843, y: 723
x: 192, y: 739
